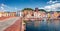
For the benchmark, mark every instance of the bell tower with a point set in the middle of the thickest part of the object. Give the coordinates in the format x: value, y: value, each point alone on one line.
x: 36, y: 9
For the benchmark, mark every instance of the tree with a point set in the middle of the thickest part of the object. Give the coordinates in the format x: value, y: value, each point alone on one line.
x: 30, y: 9
x: 42, y: 10
x: 58, y: 11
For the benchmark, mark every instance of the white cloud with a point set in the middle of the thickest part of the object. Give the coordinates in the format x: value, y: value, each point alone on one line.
x: 50, y: 2
x: 4, y: 7
x: 53, y: 2
x: 47, y: 7
x: 2, y: 4
x: 53, y: 7
x: 41, y: 8
x: 15, y: 8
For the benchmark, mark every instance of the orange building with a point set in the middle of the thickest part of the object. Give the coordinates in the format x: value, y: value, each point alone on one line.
x: 12, y: 14
x: 7, y: 14
x: 54, y: 15
x: 25, y: 12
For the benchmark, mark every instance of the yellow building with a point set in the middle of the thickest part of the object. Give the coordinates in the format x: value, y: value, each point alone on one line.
x: 5, y: 14
x: 48, y: 15
x: 12, y: 14
x: 0, y: 14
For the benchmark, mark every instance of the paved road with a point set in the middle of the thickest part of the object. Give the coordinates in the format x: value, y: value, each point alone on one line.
x: 7, y: 23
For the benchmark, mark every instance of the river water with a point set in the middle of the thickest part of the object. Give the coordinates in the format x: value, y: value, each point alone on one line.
x: 51, y: 25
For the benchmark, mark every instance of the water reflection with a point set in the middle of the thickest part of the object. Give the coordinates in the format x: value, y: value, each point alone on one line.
x: 52, y: 25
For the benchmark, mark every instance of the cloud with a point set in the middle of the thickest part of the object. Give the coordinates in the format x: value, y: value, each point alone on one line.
x: 53, y: 7
x: 53, y: 2
x: 15, y: 8
x: 2, y: 4
x: 50, y: 2
x: 41, y: 8
x: 4, y: 7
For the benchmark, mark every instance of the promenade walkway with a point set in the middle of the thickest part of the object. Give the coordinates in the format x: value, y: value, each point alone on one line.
x: 9, y: 22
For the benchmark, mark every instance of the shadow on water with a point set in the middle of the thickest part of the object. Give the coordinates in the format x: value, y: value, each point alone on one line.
x: 53, y: 25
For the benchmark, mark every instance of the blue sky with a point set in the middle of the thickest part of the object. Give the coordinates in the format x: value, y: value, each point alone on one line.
x: 13, y: 5
x: 25, y: 3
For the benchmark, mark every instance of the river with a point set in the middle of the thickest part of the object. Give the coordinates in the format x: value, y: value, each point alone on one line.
x: 51, y: 25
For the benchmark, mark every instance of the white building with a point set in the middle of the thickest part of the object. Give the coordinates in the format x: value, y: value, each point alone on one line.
x: 19, y: 13
x: 37, y: 14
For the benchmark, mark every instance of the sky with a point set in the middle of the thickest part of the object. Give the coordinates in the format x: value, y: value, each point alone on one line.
x: 15, y: 5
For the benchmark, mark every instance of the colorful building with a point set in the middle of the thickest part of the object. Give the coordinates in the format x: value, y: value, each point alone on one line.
x: 48, y: 15
x: 19, y: 13
x: 12, y: 14
x: 7, y: 14
x: 55, y: 15
x: 29, y: 14
x: 0, y: 14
